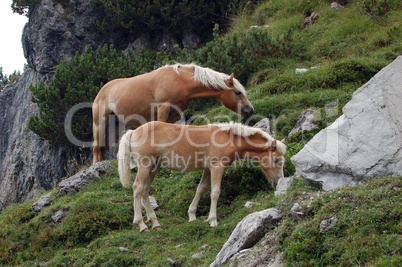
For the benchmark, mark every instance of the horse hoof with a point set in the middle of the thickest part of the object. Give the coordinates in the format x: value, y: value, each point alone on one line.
x: 145, y: 230
x: 158, y: 228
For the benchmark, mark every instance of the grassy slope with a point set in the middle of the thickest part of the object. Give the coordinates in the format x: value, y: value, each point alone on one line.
x: 349, y: 47
x: 98, y: 223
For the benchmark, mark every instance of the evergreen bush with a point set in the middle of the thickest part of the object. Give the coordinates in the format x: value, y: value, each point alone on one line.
x: 79, y: 81
x: 149, y: 16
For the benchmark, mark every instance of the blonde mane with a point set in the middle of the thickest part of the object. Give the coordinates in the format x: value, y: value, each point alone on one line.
x: 209, y: 77
x: 246, y: 131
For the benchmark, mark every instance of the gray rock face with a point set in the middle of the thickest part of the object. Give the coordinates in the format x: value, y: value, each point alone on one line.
x: 364, y: 142
x: 190, y: 39
x: 56, y: 32
x: 53, y: 33
x: 26, y: 162
x: 247, y: 232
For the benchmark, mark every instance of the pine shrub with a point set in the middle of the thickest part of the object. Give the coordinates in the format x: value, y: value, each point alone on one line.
x: 79, y: 81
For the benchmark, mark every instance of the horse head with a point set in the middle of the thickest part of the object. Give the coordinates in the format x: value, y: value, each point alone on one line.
x: 273, y: 163
x: 235, y: 98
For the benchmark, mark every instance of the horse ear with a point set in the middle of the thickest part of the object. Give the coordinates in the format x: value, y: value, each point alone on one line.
x: 230, y: 80
x: 283, y: 141
x: 273, y: 145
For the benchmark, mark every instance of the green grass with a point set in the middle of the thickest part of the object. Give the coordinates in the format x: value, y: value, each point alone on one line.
x: 99, y: 222
x: 368, y: 231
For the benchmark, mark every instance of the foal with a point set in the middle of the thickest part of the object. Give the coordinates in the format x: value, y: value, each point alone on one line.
x: 211, y: 148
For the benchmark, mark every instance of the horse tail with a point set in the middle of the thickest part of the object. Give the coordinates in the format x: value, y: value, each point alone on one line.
x: 123, y: 157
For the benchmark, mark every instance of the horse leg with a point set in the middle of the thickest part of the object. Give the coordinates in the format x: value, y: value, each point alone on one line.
x: 163, y: 112
x: 98, y: 133
x: 151, y: 216
x: 202, y: 186
x: 112, y: 131
x: 100, y: 121
x: 138, y: 189
x: 216, y: 179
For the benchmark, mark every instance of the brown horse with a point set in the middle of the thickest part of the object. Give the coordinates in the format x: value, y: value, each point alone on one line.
x: 211, y: 148
x: 159, y: 95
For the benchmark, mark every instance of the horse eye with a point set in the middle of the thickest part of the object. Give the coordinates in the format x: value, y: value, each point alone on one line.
x: 276, y: 161
x: 238, y: 93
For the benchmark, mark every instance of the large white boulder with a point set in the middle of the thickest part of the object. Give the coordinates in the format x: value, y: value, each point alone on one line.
x: 365, y: 142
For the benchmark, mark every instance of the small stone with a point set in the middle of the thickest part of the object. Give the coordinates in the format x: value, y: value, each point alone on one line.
x: 336, y: 6
x: 41, y: 203
x: 58, y: 216
x: 198, y: 256
x: 299, y: 71
x: 298, y: 216
x: 123, y: 249
x: 204, y: 247
x: 328, y: 224
x: 295, y: 207
x: 153, y: 201
x: 264, y: 125
x: 172, y: 262
x: 249, y: 204
x: 306, y: 121
x: 283, y: 185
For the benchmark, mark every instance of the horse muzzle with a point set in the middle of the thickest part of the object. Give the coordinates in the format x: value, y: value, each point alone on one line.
x: 247, y: 111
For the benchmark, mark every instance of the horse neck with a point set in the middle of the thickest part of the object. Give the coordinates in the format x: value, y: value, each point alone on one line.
x: 254, y: 146
x: 201, y: 91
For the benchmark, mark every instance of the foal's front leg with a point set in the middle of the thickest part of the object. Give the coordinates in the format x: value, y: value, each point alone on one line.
x: 202, y: 186
x: 216, y: 179
x: 138, y: 189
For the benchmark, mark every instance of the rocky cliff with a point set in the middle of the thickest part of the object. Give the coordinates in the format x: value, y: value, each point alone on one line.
x: 26, y: 162
x: 55, y: 32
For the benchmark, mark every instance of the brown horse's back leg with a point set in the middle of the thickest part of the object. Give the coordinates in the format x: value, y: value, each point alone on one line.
x: 112, y: 131
x: 151, y: 216
x: 100, y: 122
x: 98, y: 131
